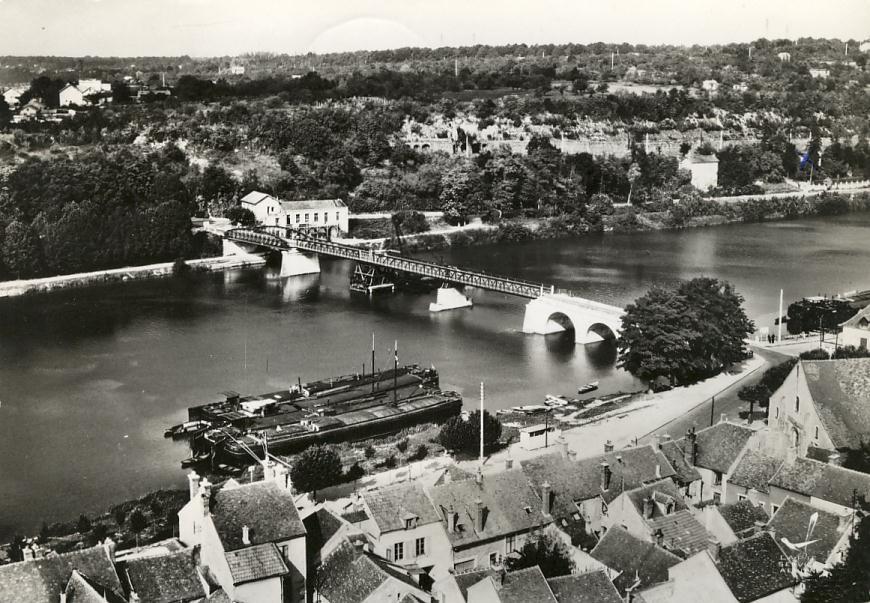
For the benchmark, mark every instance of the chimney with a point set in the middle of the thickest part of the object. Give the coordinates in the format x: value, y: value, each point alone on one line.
x: 508, y: 463
x: 246, y: 536
x: 658, y: 471
x: 193, y: 482
x: 647, y: 508
x: 205, y: 496
x: 608, y: 446
x: 758, y: 527
x: 660, y: 538
x: 62, y: 597
x: 451, y: 520
x: 605, y: 476
x: 545, y: 497
x: 268, y: 470
x: 110, y: 546
x: 562, y: 445
x: 479, y: 476
x: 572, y: 455
x: 478, y: 516
x: 723, y: 417
x: 656, y: 442
x: 713, y: 548
x: 834, y: 459
x: 666, y: 438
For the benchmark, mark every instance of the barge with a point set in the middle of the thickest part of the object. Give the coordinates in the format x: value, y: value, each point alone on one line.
x: 346, y: 408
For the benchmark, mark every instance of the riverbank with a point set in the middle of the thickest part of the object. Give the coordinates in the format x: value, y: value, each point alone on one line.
x: 100, y: 277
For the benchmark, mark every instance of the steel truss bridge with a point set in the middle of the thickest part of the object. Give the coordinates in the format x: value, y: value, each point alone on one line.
x: 281, y: 239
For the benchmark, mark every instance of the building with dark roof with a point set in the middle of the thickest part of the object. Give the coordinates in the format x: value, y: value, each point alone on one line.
x: 822, y: 485
x: 657, y: 513
x: 350, y: 574
x: 578, y: 488
x: 828, y: 536
x: 591, y: 587
x: 251, y: 538
x: 487, y: 518
x: 324, y: 531
x: 405, y: 528
x: 751, y: 477
x: 43, y: 580
x: 521, y: 586
x: 172, y: 578
x: 856, y: 331
x: 633, y: 563
x: 825, y: 404
x: 754, y: 568
x: 742, y: 517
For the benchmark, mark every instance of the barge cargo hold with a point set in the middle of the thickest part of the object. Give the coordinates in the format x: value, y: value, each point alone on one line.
x: 333, y: 410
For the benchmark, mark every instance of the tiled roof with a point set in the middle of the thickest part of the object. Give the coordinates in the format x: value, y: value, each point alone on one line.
x: 820, y: 454
x: 268, y: 510
x: 81, y: 589
x: 853, y: 322
x: 591, y: 587
x: 661, y: 492
x: 254, y: 197
x: 822, y: 480
x: 581, y: 480
x: 632, y: 556
x: 754, y: 470
x: 681, y: 532
x: 167, y: 578
x: 720, y: 445
x: 390, y: 506
x: 685, y: 473
x: 320, y: 526
x: 523, y: 586
x: 453, y: 473
x: 840, y: 391
x: 355, y: 516
x: 256, y: 562
x: 468, y: 579
x: 754, y: 568
x: 509, y: 506
x: 311, y: 204
x: 350, y: 575
x: 741, y: 516
x: 43, y: 580
x: 792, y: 519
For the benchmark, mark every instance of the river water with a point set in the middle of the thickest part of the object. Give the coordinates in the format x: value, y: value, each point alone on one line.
x: 90, y: 378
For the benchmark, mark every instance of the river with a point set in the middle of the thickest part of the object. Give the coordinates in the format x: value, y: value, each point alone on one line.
x: 90, y: 378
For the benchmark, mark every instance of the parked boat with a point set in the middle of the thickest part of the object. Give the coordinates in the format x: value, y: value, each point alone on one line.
x: 555, y: 401
x: 589, y: 387
x: 531, y: 409
x: 186, y: 428
x: 196, y: 459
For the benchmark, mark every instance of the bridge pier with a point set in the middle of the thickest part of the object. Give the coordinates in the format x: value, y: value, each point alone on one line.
x: 295, y: 263
x: 449, y: 298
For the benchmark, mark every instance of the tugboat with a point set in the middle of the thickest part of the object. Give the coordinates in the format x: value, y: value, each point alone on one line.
x: 589, y: 387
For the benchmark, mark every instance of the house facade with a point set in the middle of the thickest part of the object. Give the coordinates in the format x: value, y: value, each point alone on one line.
x: 330, y: 214
x: 856, y: 330
x: 704, y: 170
x: 70, y: 95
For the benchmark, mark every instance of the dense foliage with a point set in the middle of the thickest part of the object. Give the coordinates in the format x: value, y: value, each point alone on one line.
x: 463, y: 435
x: 316, y: 468
x: 685, y: 334
x: 814, y: 314
x: 846, y: 582
x: 546, y: 551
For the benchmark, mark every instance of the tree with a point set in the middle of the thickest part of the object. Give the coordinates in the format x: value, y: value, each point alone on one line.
x: 812, y: 314
x: 463, y: 435
x: 317, y: 467
x: 369, y: 451
x: 754, y: 394
x: 547, y: 552
x: 5, y: 113
x: 846, y: 582
x: 240, y: 215
x: 120, y: 515
x: 138, y: 523
x: 83, y: 525
x: 633, y: 174
x: 685, y: 334
x: 21, y: 251
x: 402, y: 445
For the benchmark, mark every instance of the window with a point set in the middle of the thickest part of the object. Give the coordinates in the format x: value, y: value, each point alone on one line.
x: 325, y: 217
x: 741, y: 497
x: 717, y: 478
x: 511, y: 544
x: 306, y: 218
x: 717, y: 498
x: 576, y: 516
x: 817, y: 432
x: 493, y: 559
x: 399, y: 551
x: 410, y: 523
x: 863, y: 343
x: 776, y: 413
x: 603, y: 508
x: 316, y: 216
x: 389, y: 554
x: 774, y: 509
x: 797, y: 403
x: 420, y: 547
x: 297, y: 218
x: 337, y: 218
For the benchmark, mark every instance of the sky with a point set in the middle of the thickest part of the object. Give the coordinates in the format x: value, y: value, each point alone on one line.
x: 232, y: 27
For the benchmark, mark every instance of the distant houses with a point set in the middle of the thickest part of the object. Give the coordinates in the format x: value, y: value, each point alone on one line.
x: 329, y: 214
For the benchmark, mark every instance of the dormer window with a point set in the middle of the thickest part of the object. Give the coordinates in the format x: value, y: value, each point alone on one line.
x: 410, y: 522
x: 527, y: 509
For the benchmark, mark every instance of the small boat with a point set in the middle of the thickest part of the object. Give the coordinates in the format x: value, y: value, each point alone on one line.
x: 589, y: 387
x: 194, y: 460
x: 186, y: 428
x: 555, y: 401
x: 531, y: 409
x: 229, y: 469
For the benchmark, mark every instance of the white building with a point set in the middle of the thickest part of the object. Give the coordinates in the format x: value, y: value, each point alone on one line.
x: 538, y: 436
x: 820, y: 73
x: 784, y: 57
x: 710, y: 86
x: 856, y: 330
x: 704, y: 170
x: 93, y: 86
x: 331, y: 214
x: 71, y: 96
x: 12, y: 95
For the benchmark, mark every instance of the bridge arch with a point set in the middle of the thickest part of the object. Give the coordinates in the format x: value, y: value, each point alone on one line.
x: 590, y: 321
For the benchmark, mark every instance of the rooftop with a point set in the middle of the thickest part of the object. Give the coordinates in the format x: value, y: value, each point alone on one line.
x: 792, y: 521
x: 349, y: 575
x: 592, y: 587
x: 165, y: 579
x: 822, y: 480
x: 632, y: 556
x: 861, y: 319
x: 720, y: 445
x: 311, y: 204
x: 257, y: 562
x: 684, y: 472
x: 681, y: 532
x: 43, y: 580
x: 754, y: 470
x: 389, y: 507
x: 267, y: 509
x: 510, y: 505
x: 468, y: 579
x: 754, y: 567
x: 741, y: 516
x: 320, y: 526
x: 254, y: 197
x: 840, y: 391
x: 523, y: 586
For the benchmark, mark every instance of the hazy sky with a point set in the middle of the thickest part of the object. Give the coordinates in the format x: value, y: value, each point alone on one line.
x: 229, y: 27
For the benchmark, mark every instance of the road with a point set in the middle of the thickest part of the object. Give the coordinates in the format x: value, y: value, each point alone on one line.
x: 726, y: 402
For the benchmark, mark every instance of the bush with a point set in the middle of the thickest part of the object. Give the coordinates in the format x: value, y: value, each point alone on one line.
x: 411, y: 222
x: 390, y: 461
x: 512, y: 232
x: 180, y: 267
x: 369, y: 451
x: 240, y: 215
x: 354, y: 473
x: 402, y: 445
x: 421, y: 453
x: 817, y: 354
x: 463, y: 435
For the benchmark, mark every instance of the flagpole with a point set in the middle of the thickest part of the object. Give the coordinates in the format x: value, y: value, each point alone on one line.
x: 779, y: 320
x: 395, y: 370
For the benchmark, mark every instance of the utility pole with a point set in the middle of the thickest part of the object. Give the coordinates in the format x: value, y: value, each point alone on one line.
x: 395, y: 371
x: 611, y: 61
x: 712, y: 409
x: 481, y: 425
x: 779, y: 320
x: 373, y: 362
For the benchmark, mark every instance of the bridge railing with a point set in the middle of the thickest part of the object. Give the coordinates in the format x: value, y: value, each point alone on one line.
x: 280, y: 238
